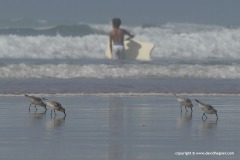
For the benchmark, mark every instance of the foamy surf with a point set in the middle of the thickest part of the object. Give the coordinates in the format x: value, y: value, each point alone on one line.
x: 193, y: 59
x: 128, y: 70
x: 172, y: 41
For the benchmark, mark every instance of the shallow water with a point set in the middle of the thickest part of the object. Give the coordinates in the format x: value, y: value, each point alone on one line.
x: 109, y: 86
x: 118, y: 128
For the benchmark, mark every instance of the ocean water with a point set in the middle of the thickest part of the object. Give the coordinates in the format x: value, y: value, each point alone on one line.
x: 119, y: 109
x: 191, y: 57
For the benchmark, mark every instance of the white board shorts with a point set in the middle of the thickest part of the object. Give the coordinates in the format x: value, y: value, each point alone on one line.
x: 118, y: 52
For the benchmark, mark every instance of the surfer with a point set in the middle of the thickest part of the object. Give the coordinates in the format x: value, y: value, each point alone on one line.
x: 116, y: 38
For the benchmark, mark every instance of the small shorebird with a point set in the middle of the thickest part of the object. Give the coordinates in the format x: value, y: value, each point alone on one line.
x: 35, y: 101
x: 186, y: 102
x: 54, y: 106
x: 206, y: 109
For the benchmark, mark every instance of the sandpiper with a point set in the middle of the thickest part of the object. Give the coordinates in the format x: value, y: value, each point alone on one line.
x: 54, y: 106
x: 206, y: 109
x: 35, y: 101
x: 186, y: 102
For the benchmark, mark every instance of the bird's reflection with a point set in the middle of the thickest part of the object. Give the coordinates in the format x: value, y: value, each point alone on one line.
x: 184, y: 120
x: 55, y: 122
x: 207, y: 127
x: 35, y: 117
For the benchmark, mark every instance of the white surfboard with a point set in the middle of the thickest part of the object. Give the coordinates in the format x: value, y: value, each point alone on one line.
x: 135, y: 50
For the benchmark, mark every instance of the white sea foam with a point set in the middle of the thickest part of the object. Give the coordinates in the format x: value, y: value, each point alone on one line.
x: 182, y: 50
x: 48, y: 47
x: 172, y: 41
x: 118, y: 71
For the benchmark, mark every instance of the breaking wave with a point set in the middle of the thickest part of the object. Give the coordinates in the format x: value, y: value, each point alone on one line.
x: 172, y: 41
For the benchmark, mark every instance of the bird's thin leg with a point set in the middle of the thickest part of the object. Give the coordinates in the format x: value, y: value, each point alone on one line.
x: 29, y: 106
x: 186, y: 109
x: 35, y: 107
x: 204, y: 115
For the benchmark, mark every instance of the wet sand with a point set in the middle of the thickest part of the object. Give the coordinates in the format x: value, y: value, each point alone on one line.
x: 118, y: 128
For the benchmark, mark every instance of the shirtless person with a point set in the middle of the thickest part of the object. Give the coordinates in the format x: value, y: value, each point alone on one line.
x: 116, y: 38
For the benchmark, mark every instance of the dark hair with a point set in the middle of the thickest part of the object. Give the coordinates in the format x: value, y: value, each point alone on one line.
x: 116, y: 22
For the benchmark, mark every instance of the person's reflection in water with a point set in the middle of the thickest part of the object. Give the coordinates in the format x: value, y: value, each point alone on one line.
x: 116, y: 136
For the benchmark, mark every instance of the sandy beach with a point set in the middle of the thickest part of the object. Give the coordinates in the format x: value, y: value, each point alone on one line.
x: 119, y: 127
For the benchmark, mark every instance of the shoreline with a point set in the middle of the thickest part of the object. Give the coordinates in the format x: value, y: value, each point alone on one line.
x: 129, y: 86
x: 119, y: 94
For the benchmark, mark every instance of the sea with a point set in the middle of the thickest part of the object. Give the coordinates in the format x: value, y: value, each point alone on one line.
x: 70, y: 59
